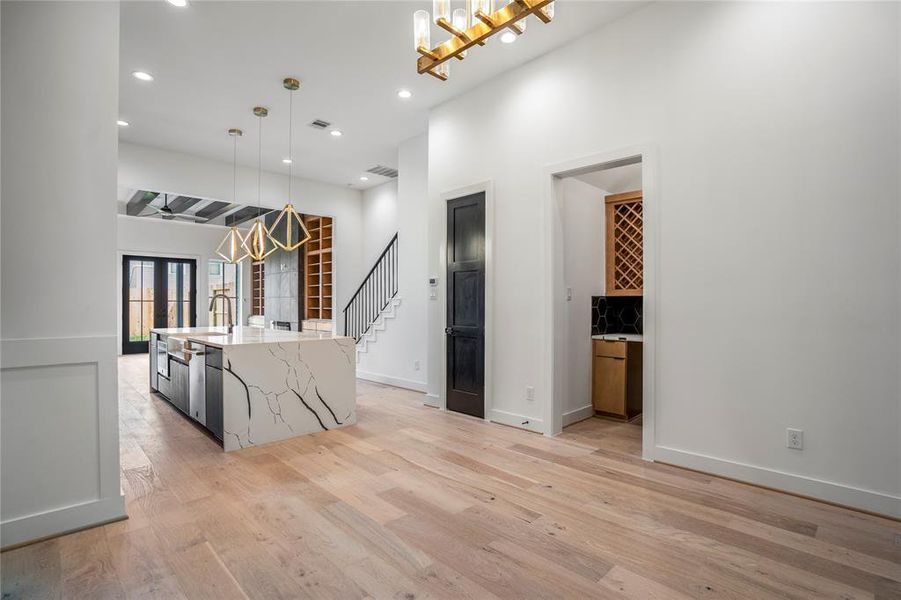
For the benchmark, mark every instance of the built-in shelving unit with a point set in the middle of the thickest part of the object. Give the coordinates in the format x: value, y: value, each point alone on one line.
x: 258, y: 288
x: 318, y: 268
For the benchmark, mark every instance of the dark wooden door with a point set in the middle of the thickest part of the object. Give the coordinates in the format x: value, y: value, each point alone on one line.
x: 465, y: 329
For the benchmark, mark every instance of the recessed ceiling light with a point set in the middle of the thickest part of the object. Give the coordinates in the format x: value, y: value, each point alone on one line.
x: 287, y: 161
x: 508, y: 37
x: 122, y: 123
x: 142, y: 75
x: 178, y: 3
x: 364, y: 178
x: 404, y: 94
x: 336, y: 132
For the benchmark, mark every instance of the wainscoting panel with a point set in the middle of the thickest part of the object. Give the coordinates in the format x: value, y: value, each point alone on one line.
x: 60, y: 438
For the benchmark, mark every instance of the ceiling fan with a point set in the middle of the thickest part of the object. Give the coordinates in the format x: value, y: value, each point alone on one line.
x: 167, y: 214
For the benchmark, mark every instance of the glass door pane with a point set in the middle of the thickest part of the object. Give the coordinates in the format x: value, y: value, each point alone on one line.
x: 140, y: 300
x: 178, y: 294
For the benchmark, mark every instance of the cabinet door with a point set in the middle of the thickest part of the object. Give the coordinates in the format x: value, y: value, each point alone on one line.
x: 608, y: 386
x: 153, y: 374
x: 180, y: 385
x: 214, y: 401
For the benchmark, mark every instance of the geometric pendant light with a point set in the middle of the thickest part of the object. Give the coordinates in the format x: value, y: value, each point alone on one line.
x: 232, y: 247
x: 295, y: 232
x: 258, y: 242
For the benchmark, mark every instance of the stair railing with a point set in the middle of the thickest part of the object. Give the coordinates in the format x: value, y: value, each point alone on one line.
x: 379, y: 287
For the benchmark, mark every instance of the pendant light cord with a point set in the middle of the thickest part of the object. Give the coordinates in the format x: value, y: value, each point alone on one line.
x: 235, y: 170
x: 260, y: 167
x: 290, y: 140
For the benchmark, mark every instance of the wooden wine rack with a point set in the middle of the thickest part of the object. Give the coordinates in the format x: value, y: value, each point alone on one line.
x: 624, y: 248
x: 318, y: 268
x: 258, y: 288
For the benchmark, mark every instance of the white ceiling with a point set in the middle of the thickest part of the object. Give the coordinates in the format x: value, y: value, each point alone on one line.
x: 214, y: 61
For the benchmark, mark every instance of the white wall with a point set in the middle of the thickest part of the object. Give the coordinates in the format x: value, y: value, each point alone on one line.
x: 581, y: 209
x: 401, y: 207
x: 380, y: 216
x: 60, y: 453
x: 778, y: 270
x: 142, y: 167
x: 154, y: 237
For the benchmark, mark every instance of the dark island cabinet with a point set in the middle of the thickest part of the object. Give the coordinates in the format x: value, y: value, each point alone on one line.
x: 214, y: 400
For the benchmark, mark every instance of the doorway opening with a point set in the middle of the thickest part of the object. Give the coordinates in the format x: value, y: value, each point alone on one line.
x: 599, y: 273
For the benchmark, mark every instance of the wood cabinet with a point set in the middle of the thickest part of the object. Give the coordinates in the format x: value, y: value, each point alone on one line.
x: 624, y: 244
x: 616, y: 378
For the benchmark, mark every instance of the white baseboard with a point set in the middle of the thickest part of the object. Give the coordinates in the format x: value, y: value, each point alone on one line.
x: 433, y: 400
x: 407, y: 384
x: 869, y: 500
x: 515, y: 420
x: 62, y: 521
x: 580, y: 414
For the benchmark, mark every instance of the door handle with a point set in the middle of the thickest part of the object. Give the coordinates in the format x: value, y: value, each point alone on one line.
x: 449, y: 330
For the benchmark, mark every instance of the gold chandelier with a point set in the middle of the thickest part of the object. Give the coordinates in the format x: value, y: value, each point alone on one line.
x: 232, y: 247
x: 289, y: 217
x: 258, y: 242
x: 469, y: 27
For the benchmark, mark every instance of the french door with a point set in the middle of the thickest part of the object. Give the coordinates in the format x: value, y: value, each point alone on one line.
x: 156, y: 292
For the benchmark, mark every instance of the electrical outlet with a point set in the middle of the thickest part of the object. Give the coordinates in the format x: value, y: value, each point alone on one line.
x: 530, y: 393
x: 795, y: 438
x: 415, y: 365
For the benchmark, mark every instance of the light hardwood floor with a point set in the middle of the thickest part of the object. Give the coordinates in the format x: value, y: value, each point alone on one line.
x: 415, y: 503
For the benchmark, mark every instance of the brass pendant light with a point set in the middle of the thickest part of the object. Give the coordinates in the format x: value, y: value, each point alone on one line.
x: 232, y: 247
x: 289, y: 217
x: 258, y: 242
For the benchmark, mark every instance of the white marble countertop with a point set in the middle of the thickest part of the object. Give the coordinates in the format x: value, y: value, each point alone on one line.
x: 619, y: 337
x: 242, y: 336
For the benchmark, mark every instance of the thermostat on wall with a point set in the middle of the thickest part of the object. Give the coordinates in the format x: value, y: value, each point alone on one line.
x: 433, y: 288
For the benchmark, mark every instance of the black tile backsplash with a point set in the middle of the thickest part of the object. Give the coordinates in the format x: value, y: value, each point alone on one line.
x: 616, y: 314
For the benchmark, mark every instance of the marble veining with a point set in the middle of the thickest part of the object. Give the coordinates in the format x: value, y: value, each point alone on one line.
x: 279, y: 390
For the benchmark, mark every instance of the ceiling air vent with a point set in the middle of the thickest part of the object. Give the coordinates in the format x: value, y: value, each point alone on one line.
x: 320, y: 124
x: 383, y: 171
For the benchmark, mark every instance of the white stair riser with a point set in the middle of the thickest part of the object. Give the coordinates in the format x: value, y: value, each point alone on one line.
x: 379, y: 324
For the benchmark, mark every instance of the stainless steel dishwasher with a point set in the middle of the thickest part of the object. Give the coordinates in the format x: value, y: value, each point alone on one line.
x: 196, y: 383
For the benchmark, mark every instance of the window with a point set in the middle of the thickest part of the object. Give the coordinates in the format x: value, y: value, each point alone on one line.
x: 224, y: 277
x: 258, y: 289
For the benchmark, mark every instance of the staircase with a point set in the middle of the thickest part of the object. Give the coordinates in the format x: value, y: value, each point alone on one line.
x: 375, y: 301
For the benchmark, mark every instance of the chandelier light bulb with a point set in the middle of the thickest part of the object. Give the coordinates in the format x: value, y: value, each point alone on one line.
x: 421, y: 30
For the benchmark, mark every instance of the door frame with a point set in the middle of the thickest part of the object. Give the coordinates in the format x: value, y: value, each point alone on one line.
x: 486, y: 187
x: 123, y: 288
x: 554, y: 302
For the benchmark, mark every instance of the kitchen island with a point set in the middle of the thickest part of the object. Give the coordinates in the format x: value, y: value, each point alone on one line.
x: 255, y: 386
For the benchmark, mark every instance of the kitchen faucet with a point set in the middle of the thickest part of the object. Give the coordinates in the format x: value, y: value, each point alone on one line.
x: 228, y: 305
